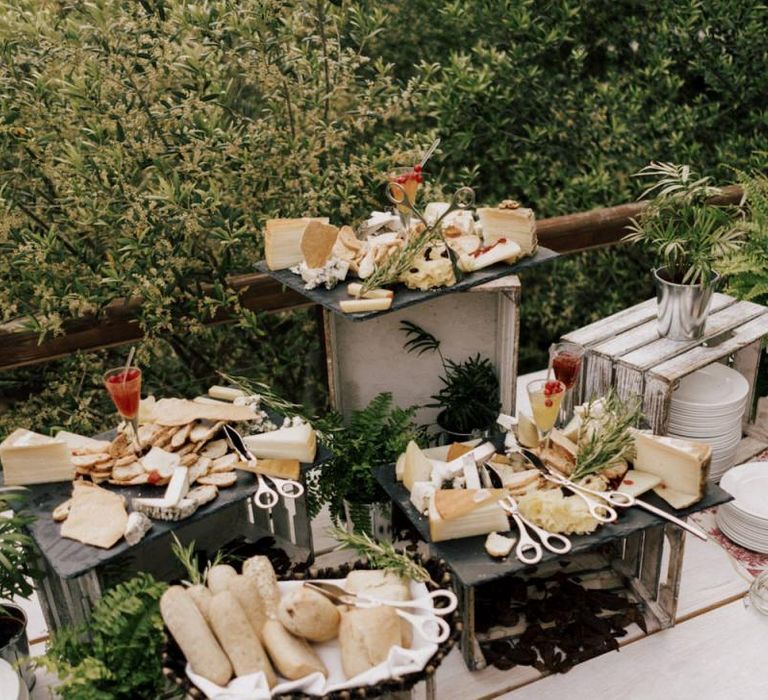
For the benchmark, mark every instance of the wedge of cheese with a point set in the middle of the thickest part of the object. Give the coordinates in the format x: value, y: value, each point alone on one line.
x: 456, y: 513
x: 417, y: 466
x: 421, y: 493
x: 635, y: 482
x: 32, y: 458
x: 518, y: 225
x: 527, y: 432
x: 282, y: 241
x: 298, y: 442
x: 471, y: 474
x: 400, y: 467
x: 683, y: 466
x: 79, y: 444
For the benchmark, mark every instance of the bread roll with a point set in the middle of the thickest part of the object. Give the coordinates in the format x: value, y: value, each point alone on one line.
x: 366, y: 635
x: 293, y: 657
x: 238, y: 639
x: 260, y: 569
x: 194, y: 637
x: 309, y: 614
x: 219, y: 576
x: 202, y: 597
x: 246, y: 590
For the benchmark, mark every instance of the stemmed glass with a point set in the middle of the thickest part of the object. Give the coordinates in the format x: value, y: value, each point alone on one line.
x: 545, y: 396
x: 409, y: 179
x: 565, y: 359
x: 124, y: 387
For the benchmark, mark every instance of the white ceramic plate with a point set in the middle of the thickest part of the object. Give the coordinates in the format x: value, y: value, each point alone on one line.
x: 10, y: 683
x: 714, y: 387
x: 748, y: 484
x: 738, y: 538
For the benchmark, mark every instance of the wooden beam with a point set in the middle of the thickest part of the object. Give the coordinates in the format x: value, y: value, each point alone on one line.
x: 117, y: 325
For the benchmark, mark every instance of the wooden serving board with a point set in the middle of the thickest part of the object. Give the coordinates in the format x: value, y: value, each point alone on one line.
x: 330, y: 299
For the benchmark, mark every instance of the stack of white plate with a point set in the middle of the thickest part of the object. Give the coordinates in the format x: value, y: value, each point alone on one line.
x: 708, y: 407
x: 745, y: 519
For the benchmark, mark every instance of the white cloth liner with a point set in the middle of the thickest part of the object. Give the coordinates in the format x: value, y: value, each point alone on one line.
x: 399, y: 662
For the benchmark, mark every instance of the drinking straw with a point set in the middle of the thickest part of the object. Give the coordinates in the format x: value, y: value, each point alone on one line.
x: 128, y: 364
x: 429, y: 152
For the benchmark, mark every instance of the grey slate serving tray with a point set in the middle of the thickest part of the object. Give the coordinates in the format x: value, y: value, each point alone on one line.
x: 403, y: 296
x: 70, y: 558
x: 472, y: 565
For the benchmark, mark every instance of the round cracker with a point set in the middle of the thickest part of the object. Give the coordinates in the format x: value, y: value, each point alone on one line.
x: 202, y: 494
x: 61, y: 511
x: 222, y: 480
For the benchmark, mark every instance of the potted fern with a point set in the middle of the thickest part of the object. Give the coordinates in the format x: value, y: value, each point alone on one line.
x: 17, y: 554
x: 690, y: 235
x: 469, y: 398
x: 374, y: 435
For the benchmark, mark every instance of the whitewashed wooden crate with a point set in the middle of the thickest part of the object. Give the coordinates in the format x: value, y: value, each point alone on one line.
x: 367, y: 358
x: 625, y: 350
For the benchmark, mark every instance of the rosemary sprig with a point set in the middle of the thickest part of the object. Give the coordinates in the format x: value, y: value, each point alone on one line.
x: 611, y: 439
x: 381, y: 555
x: 188, y: 559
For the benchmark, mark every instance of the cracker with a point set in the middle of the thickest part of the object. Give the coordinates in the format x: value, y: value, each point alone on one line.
x: 186, y: 449
x: 125, y: 460
x: 215, y: 449
x: 126, y: 472
x: 225, y: 464
x: 199, y: 469
x: 181, y: 436
x: 175, y: 412
x: 188, y: 459
x: 61, y: 511
x: 222, y: 481
x: 202, y: 494
x: 97, y: 517
x: 139, y: 480
x: 120, y: 446
x: 147, y: 432
x: 90, y: 460
x: 317, y: 243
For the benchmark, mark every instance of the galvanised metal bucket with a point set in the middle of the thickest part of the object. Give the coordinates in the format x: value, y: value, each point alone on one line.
x: 682, y: 308
x: 16, y: 648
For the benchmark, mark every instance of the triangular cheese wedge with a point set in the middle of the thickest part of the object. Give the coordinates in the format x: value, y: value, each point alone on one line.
x: 454, y: 503
x: 317, y: 243
x: 527, y: 432
x: 297, y: 442
x: 636, y: 482
x: 417, y: 466
x: 677, y: 499
x: 457, y: 450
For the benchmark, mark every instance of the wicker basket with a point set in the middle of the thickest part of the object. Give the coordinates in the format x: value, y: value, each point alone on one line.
x: 174, y: 662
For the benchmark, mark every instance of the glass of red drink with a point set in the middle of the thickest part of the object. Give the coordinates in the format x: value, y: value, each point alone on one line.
x: 565, y: 359
x: 124, y: 387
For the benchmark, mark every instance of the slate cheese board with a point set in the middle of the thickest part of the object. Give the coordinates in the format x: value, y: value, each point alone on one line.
x: 471, y: 563
x: 330, y: 299
x: 70, y: 558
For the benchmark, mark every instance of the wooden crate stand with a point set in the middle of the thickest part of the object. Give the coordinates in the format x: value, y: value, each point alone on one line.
x: 625, y: 350
x: 367, y: 358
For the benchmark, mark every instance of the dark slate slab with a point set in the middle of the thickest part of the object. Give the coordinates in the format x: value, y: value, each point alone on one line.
x: 71, y: 559
x: 403, y: 296
x: 470, y: 562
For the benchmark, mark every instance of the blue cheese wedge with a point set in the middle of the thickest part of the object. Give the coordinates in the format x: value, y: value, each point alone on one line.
x: 138, y: 525
x: 498, y: 545
x: 156, y: 508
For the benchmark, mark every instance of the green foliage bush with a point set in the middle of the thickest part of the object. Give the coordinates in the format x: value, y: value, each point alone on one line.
x: 142, y: 145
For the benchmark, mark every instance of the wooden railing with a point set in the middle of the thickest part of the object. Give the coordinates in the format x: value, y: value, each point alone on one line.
x: 117, y: 324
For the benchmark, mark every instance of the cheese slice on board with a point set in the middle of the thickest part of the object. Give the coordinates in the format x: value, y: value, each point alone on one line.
x: 457, y: 513
x: 682, y: 465
x: 170, y: 412
x: 457, y: 450
x: 518, y: 225
x: 317, y: 242
x: 32, y: 458
x: 97, y: 517
x: 527, y: 432
x: 400, y: 467
x: 421, y: 492
x: 281, y: 468
x: 356, y: 306
x: 81, y: 444
x: 282, y: 241
x: 636, y: 482
x: 471, y: 474
x: 417, y: 467
x: 297, y: 442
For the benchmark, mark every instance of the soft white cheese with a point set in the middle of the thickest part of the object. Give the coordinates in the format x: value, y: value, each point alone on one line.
x: 333, y: 272
x: 421, y: 492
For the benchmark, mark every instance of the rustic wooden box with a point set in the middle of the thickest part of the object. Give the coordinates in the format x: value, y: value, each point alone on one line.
x: 625, y: 350
x: 365, y: 359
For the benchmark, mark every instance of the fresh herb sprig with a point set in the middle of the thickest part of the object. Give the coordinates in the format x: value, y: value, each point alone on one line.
x: 381, y: 555
x: 188, y: 558
x: 610, y: 439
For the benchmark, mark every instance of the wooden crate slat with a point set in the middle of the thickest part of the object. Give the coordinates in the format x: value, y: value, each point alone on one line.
x: 610, y: 326
x: 663, y: 349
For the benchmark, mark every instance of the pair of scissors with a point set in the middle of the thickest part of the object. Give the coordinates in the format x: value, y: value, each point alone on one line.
x: 556, y: 543
x: 426, y: 618
x: 265, y: 497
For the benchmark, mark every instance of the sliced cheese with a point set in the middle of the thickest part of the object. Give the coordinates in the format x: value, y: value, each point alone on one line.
x: 457, y: 513
x: 457, y: 450
x: 502, y: 250
x: 354, y: 289
x: 282, y: 241
x: 421, y: 493
x: 636, y: 482
x: 518, y: 225
x: 32, y: 458
x: 225, y: 393
x: 297, y: 442
x: 498, y: 545
x: 571, y: 431
x: 80, y: 444
x: 527, y: 432
x: 178, y: 486
x: 160, y: 461
x: 683, y: 466
x: 400, y: 467
x: 471, y: 474
x: 281, y: 468
x: 417, y: 466
x: 356, y: 306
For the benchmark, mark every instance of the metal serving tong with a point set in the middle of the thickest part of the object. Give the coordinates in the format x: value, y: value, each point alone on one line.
x: 265, y: 497
x: 429, y: 624
x: 556, y: 543
x: 609, y: 498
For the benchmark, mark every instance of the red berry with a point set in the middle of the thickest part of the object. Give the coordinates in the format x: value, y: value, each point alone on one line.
x: 417, y: 168
x: 548, y: 403
x: 401, y: 179
x: 419, y: 178
x: 153, y: 477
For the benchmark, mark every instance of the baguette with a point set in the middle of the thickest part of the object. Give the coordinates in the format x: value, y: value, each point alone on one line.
x: 219, y: 577
x: 260, y: 569
x: 238, y: 639
x: 366, y: 635
x: 202, y: 599
x: 293, y: 657
x: 309, y: 614
x: 246, y: 590
x: 191, y: 632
